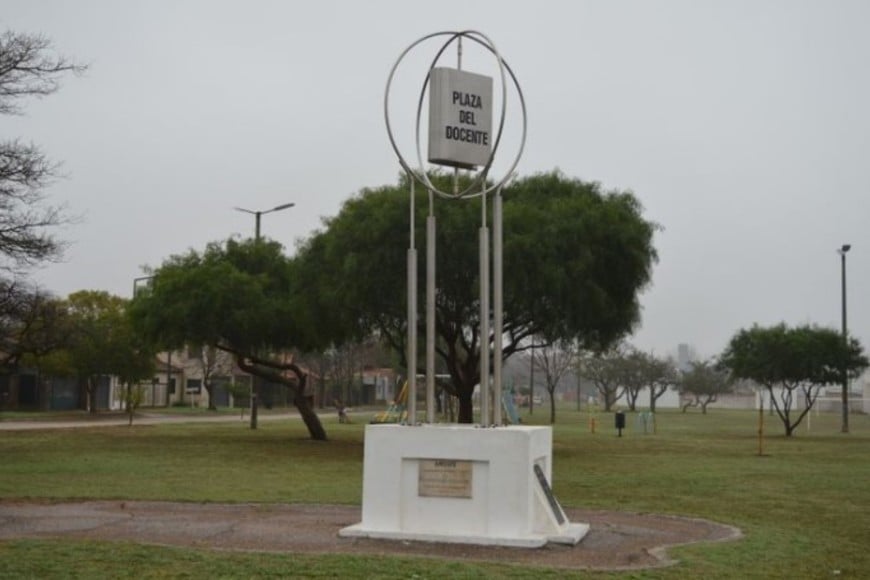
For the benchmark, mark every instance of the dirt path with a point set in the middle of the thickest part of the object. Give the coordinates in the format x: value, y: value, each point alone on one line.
x: 616, y: 540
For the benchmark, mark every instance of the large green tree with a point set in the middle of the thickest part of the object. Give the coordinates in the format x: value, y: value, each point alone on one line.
x: 240, y: 297
x: 575, y: 259
x: 98, y: 341
x: 789, y: 361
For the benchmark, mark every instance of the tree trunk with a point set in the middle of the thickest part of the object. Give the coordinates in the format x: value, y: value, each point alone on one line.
x: 466, y: 406
x: 266, y: 370
x: 608, y: 402
x: 210, y: 390
x: 92, y: 396
x: 632, y: 399
x: 309, y: 417
x: 552, y: 408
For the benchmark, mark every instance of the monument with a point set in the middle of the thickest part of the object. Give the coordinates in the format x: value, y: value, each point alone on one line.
x: 484, y: 484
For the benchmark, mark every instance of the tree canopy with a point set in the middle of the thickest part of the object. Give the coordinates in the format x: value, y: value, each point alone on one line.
x: 703, y: 383
x: 239, y: 297
x: 99, y: 340
x: 575, y: 259
x: 788, y: 360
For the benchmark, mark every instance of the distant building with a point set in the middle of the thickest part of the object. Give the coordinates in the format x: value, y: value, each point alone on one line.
x: 684, y: 357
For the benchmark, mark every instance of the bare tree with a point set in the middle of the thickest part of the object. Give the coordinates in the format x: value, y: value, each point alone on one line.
x: 28, y: 68
x: 703, y: 384
x: 32, y: 322
x: 209, y: 363
x: 554, y: 361
x: 660, y: 375
x: 607, y: 372
x: 345, y: 364
x: 634, y: 369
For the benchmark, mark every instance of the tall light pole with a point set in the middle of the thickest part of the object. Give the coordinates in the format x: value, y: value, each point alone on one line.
x: 257, y: 215
x: 842, y: 251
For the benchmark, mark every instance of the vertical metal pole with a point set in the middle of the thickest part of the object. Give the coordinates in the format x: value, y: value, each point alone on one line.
x: 760, y: 423
x: 254, y: 384
x: 532, y: 381
x: 412, y: 317
x: 254, y: 389
x: 458, y: 67
x: 168, y: 375
x: 430, y: 313
x: 484, y: 317
x: 497, y: 307
x: 412, y: 336
x: 845, y: 428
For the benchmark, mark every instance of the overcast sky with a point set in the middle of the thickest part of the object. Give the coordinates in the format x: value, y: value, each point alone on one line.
x: 742, y: 126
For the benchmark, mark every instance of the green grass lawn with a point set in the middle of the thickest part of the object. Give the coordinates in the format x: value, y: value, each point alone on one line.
x: 804, y: 507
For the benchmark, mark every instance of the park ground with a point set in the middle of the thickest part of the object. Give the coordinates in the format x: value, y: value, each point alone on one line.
x: 803, y: 507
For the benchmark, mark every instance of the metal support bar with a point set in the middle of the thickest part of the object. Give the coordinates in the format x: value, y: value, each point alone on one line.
x: 430, y: 316
x: 412, y: 336
x: 845, y: 377
x: 485, y: 417
x: 411, y: 353
x: 484, y: 326
x: 497, y: 307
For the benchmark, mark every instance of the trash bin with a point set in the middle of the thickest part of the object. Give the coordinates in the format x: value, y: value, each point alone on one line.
x: 619, y: 419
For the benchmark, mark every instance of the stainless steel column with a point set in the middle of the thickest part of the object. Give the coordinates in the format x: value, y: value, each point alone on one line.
x: 430, y: 315
x: 497, y: 307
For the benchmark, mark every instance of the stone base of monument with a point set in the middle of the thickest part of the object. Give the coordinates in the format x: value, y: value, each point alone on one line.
x: 461, y: 484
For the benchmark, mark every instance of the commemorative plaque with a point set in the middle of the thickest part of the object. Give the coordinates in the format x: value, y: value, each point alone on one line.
x: 444, y: 478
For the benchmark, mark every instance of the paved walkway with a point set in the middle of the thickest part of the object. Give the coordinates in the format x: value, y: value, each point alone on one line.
x: 147, y: 418
x: 616, y: 540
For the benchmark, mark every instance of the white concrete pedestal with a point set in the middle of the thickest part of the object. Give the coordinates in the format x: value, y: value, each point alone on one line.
x: 461, y: 484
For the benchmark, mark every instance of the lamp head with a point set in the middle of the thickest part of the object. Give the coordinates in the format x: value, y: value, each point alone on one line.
x: 845, y: 248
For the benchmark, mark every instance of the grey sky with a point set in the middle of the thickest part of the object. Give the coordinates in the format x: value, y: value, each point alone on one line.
x: 743, y: 126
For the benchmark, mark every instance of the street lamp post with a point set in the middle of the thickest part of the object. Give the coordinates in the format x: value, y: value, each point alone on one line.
x: 842, y: 251
x: 257, y: 215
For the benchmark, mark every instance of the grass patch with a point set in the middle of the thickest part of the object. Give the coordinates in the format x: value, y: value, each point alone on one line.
x: 78, y: 559
x: 804, y: 507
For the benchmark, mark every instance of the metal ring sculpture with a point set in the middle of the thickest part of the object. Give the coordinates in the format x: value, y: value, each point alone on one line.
x: 421, y: 176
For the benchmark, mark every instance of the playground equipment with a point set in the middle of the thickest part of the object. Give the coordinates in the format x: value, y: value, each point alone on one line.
x: 510, y: 410
x: 645, y: 420
x: 397, y: 412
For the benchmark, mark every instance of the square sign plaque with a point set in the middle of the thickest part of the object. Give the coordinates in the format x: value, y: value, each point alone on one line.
x: 460, y: 118
x: 444, y: 478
